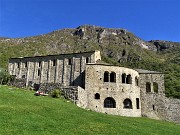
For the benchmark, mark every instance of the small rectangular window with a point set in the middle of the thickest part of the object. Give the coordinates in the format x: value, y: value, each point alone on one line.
x: 137, y: 103
x: 54, y: 62
x: 26, y: 64
x: 39, y: 63
x: 39, y: 72
x: 87, y: 59
x: 69, y: 61
x: 18, y: 64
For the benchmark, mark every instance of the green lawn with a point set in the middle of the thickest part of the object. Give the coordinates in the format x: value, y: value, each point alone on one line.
x: 22, y: 113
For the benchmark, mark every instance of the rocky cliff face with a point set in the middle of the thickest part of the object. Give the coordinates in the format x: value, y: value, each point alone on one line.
x: 163, y: 45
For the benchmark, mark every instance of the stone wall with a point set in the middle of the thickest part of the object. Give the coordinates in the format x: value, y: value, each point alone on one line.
x: 67, y: 69
x: 82, y: 79
x: 154, y: 104
x: 172, y: 110
x: 70, y: 92
x: 82, y: 98
x: 20, y: 83
x: 112, y: 89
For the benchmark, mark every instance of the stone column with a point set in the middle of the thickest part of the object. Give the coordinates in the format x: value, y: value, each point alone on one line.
x: 13, y: 72
x: 41, y: 74
x: 49, y: 69
x: 34, y: 73
x: 27, y: 75
x: 72, y: 71
x: 56, y: 71
x: 20, y: 64
x: 64, y: 72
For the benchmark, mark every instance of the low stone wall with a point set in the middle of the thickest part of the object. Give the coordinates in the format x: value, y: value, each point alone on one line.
x: 157, y: 106
x: 70, y: 92
x: 82, y: 98
x: 172, y: 109
x: 20, y: 83
x: 48, y: 87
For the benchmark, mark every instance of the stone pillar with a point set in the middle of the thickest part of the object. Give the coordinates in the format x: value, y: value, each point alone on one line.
x: 49, y: 69
x: 56, y: 71
x: 64, y: 72
x: 27, y: 75
x: 34, y: 73
x: 41, y: 74
x: 82, y: 68
x: 72, y: 72
x: 20, y: 64
x: 13, y: 72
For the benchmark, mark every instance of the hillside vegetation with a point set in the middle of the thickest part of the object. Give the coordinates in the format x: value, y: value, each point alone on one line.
x: 118, y: 47
x: 23, y: 113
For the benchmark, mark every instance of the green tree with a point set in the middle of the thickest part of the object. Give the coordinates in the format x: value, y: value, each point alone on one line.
x: 4, y: 76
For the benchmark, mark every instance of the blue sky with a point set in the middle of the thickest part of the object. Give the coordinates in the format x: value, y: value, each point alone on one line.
x: 148, y: 19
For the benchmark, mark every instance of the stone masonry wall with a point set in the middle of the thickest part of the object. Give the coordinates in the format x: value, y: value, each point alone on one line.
x: 70, y: 92
x: 155, y: 104
x: 117, y: 90
x: 67, y: 69
x: 172, y: 110
x: 80, y: 78
x: 20, y: 83
x: 82, y: 98
x: 152, y: 103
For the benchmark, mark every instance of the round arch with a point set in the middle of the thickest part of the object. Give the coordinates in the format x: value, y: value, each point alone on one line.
x: 109, y: 102
x: 127, y: 103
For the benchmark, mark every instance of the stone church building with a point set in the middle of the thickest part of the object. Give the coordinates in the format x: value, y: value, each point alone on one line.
x: 101, y: 87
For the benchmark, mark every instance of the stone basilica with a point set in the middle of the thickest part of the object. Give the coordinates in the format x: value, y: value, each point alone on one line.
x: 96, y: 85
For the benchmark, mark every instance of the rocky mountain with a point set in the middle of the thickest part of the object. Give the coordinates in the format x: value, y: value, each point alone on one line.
x: 118, y: 46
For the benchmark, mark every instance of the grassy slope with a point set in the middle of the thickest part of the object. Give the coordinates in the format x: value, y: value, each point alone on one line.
x: 23, y: 113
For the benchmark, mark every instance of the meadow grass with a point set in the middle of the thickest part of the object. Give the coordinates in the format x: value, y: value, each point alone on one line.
x: 22, y: 113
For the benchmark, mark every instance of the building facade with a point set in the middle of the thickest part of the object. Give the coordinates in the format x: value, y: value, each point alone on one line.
x: 100, y: 86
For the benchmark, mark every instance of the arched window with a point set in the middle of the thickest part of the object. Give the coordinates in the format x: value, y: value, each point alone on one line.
x: 97, y: 96
x: 155, y: 87
x: 106, y: 76
x: 113, y: 77
x: 23, y: 76
x: 127, y: 103
x: 123, y: 78
x: 129, y: 79
x: 148, y: 87
x: 136, y: 81
x: 109, y: 102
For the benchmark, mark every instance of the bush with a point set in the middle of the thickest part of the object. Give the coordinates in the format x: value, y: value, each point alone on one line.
x: 56, y: 93
x: 4, y: 76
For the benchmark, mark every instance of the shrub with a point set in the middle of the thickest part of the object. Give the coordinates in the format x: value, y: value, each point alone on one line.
x: 56, y: 93
x: 4, y: 76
